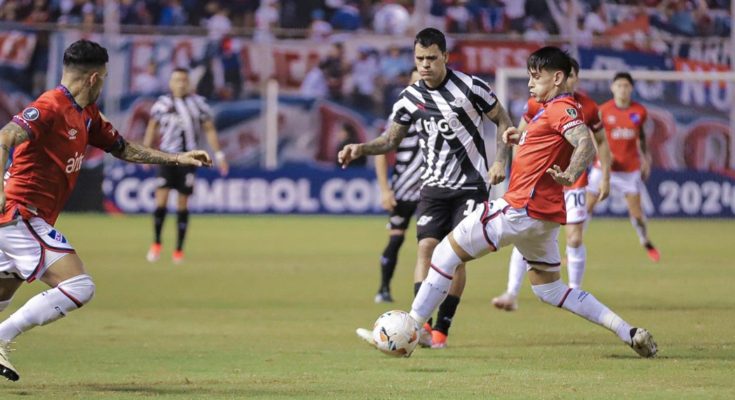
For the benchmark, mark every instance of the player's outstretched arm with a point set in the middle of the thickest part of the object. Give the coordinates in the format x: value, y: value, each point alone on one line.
x: 605, y: 156
x: 502, y: 120
x: 584, y: 152
x: 380, y: 145
x: 11, y: 135
x: 136, y: 153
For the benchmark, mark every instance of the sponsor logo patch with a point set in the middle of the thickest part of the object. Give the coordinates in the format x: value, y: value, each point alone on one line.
x: 571, y: 124
x: 572, y: 112
x: 31, y: 114
x: 425, y: 219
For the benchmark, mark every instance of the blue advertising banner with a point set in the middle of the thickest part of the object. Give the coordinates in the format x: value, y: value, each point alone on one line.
x: 308, y: 189
x: 302, y: 189
x: 674, y: 194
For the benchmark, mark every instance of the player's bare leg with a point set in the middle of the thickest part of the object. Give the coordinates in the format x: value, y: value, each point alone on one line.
x: 71, y: 288
x: 638, y: 220
x: 182, y: 224
x: 549, y: 288
x: 448, y: 308
x: 576, y: 254
x: 159, y: 216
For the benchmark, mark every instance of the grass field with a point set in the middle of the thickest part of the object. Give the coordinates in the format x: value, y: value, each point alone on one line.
x: 266, y: 307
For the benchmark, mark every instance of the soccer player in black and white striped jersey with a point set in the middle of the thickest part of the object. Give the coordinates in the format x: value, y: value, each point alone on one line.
x: 179, y: 118
x: 400, y: 197
x: 446, y: 107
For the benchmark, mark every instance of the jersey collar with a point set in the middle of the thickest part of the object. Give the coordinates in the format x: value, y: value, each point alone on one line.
x: 558, y: 96
x: 441, y: 85
x: 68, y: 95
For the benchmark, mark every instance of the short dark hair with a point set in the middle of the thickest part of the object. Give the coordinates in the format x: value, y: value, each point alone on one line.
x: 550, y: 58
x: 575, y: 65
x: 180, y: 69
x: 624, y: 75
x: 85, y: 54
x: 430, y: 36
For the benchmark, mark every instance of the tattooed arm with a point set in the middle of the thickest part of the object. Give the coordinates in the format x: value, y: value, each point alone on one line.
x: 380, y: 145
x: 584, y: 153
x: 11, y: 135
x: 502, y: 150
x: 137, y: 153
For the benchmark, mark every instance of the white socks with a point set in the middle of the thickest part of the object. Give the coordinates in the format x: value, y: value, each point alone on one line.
x: 435, y: 287
x: 583, y: 304
x: 48, y: 306
x: 640, y: 229
x: 516, y: 272
x: 576, y: 259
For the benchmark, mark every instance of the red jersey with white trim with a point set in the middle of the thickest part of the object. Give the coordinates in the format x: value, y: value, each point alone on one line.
x: 623, y: 128
x: 45, y: 168
x: 591, y: 118
x: 541, y: 146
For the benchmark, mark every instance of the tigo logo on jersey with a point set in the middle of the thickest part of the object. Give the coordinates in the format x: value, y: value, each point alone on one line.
x: 31, y: 114
x: 72, y: 134
x: 443, y: 126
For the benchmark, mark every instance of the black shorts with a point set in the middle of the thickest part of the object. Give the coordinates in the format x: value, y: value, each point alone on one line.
x: 401, y: 215
x: 440, y: 210
x: 180, y: 179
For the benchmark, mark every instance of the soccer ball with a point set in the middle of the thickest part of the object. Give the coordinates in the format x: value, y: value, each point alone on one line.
x: 396, y: 333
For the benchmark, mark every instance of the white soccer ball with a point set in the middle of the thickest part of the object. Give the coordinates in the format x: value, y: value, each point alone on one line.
x: 396, y: 333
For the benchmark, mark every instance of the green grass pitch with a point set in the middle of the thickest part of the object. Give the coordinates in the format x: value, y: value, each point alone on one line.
x: 266, y: 308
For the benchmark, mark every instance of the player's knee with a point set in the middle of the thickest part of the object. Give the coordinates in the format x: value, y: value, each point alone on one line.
x: 574, y: 240
x: 470, y: 236
x: 445, y: 260
x: 552, y: 293
x: 79, y: 289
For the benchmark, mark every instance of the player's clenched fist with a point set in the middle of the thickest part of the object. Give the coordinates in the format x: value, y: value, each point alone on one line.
x: 560, y: 176
x: 349, y: 153
x: 511, y: 135
x: 196, y: 158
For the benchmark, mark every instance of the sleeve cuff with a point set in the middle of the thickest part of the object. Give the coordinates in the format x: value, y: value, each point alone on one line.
x: 23, y: 124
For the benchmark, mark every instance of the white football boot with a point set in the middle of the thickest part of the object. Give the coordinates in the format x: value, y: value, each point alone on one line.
x: 506, y: 301
x: 643, y: 344
x: 366, y: 335
x: 6, y: 368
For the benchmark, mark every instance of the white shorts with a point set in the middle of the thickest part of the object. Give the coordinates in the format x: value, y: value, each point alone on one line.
x: 576, y: 201
x: 28, y: 248
x: 497, y: 225
x: 623, y: 182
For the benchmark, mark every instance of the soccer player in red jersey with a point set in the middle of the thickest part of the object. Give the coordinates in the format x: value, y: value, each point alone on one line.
x: 554, y: 150
x: 48, y: 140
x: 574, y: 195
x: 623, y: 119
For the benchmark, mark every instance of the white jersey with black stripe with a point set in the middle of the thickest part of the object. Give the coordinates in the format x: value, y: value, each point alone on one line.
x: 180, y: 121
x: 449, y: 123
x: 406, y: 180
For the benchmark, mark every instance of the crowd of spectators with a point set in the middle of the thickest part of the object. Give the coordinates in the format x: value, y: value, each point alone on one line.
x: 370, y: 79
x: 533, y: 19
